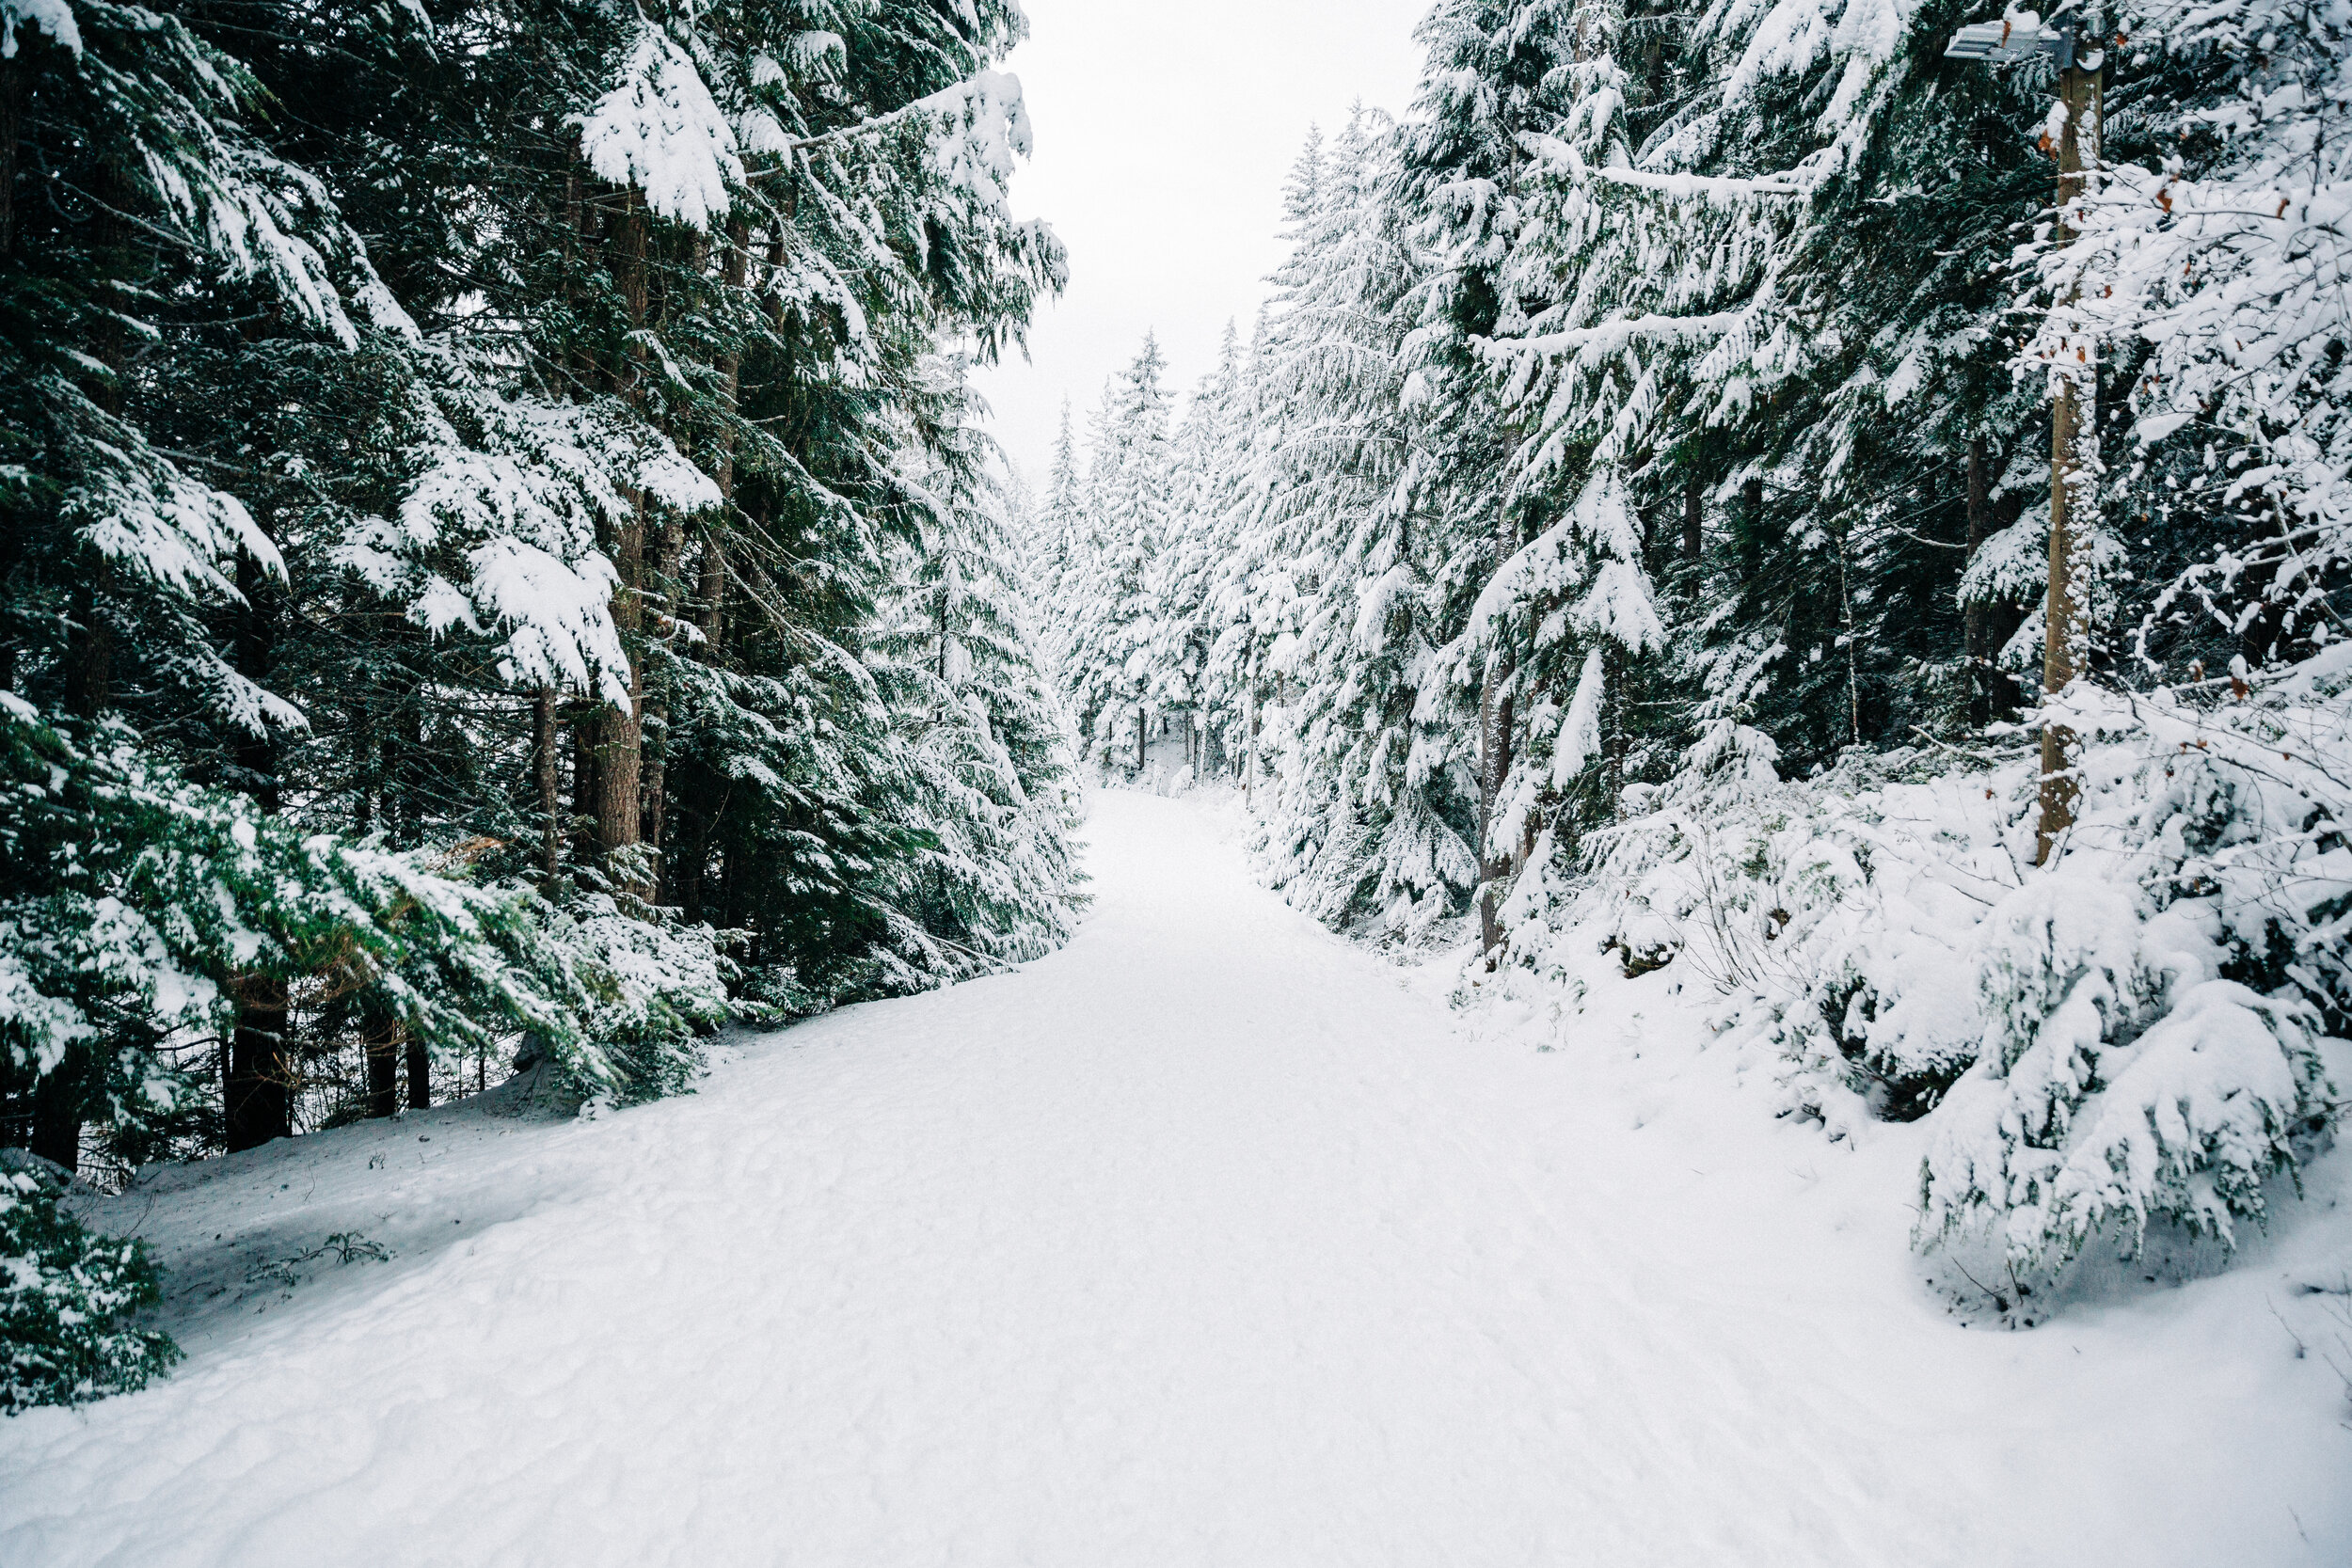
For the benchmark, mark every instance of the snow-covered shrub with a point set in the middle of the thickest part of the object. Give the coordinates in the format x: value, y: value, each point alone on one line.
x: 1829, y: 913
x: 132, y: 902
x: 67, y: 1303
x: 2119, y: 1080
x: 2153, y: 1004
x: 655, y: 988
x: 2131, y: 1034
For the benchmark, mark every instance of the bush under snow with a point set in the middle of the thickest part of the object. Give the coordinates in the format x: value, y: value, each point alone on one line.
x: 2132, y: 1034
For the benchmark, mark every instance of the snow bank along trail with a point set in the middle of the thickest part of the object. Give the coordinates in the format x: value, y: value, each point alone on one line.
x: 1206, y: 1242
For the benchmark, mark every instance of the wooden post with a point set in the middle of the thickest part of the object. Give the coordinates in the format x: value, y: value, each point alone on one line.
x: 2065, y: 639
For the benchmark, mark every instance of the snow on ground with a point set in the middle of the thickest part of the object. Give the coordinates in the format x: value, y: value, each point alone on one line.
x: 1209, y: 1241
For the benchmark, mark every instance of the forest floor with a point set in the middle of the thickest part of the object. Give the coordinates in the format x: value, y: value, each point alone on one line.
x: 1208, y: 1241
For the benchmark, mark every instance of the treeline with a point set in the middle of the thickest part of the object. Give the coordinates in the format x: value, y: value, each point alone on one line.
x: 1630, y: 525
x: 496, y: 551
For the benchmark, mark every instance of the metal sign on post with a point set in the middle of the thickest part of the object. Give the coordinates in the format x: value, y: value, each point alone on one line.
x: 2004, y: 43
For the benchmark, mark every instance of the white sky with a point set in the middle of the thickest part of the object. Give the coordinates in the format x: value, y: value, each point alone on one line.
x: 1164, y: 129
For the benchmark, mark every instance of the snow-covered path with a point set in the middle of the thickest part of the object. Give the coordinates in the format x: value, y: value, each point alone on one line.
x: 1206, y: 1242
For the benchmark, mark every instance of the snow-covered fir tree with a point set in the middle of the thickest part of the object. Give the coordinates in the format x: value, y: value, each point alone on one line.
x: 494, y: 639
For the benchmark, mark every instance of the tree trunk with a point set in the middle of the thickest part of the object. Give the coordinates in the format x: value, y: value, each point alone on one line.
x: 620, y: 731
x: 1139, y: 739
x: 1752, y: 530
x: 260, y: 1092
x: 1980, y: 529
x: 1693, y: 541
x: 544, y: 741
x: 261, y: 1068
x: 583, y: 727
x: 90, y: 642
x: 379, y: 1042
x: 1494, y: 765
x: 255, y: 650
x: 57, y: 1107
x: 710, y: 590
x: 668, y: 590
x: 11, y: 550
x: 1612, y: 671
x: 1249, y: 763
x: 12, y: 73
x: 419, y: 1074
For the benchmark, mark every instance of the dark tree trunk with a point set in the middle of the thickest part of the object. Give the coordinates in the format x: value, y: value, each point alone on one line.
x: 379, y: 1038
x: 685, y: 871
x: 1980, y: 529
x: 255, y: 651
x: 261, y: 1070
x: 260, y: 1092
x: 12, y: 73
x: 57, y: 1107
x: 1693, y: 541
x: 1752, y: 530
x: 583, y: 729
x: 734, y: 267
x: 655, y: 737
x: 11, y: 551
x: 89, y: 643
x: 419, y: 1074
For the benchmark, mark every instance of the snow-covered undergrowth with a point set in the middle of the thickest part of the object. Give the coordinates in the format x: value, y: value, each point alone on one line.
x: 1208, y: 1239
x: 66, y: 1298
x: 2141, y: 1034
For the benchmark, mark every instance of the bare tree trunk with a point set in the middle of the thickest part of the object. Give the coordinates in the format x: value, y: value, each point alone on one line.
x: 1612, y: 671
x: 1693, y: 541
x: 90, y: 642
x: 1250, y: 763
x: 262, y: 1067
x: 710, y: 590
x: 620, y: 731
x: 544, y: 740
x: 1752, y: 530
x: 379, y: 1042
x: 584, y: 789
x: 419, y: 1074
x: 11, y: 551
x: 1980, y: 529
x: 667, y: 559
x: 260, y: 1092
x: 57, y: 1104
x: 59, y: 1096
x: 1494, y: 765
x: 12, y: 73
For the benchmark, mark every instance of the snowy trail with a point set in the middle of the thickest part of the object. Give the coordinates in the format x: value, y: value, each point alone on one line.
x: 1206, y: 1242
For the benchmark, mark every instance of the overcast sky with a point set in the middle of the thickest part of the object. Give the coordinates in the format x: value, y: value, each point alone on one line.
x: 1164, y: 131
